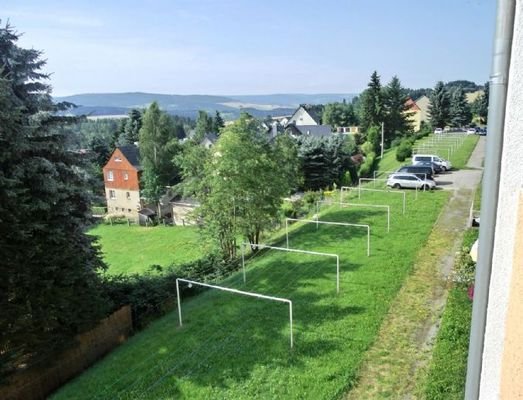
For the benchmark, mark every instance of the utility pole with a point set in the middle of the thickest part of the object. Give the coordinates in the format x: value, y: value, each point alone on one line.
x: 382, y: 138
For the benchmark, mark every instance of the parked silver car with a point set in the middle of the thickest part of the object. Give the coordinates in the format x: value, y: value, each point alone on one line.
x: 404, y: 180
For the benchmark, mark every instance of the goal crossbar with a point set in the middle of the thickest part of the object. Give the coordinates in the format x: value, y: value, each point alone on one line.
x: 314, y: 253
x: 382, y: 206
x: 236, y: 291
x: 317, y: 221
x: 346, y: 188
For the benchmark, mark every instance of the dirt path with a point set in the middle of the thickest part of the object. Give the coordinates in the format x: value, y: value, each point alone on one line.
x: 395, y: 365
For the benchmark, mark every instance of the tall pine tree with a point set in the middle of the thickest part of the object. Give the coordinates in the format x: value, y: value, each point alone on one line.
x: 372, y: 104
x: 397, y: 116
x: 460, y: 114
x: 439, y: 107
x: 49, y: 282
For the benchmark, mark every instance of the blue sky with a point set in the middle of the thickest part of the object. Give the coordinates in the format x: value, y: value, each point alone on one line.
x: 254, y: 46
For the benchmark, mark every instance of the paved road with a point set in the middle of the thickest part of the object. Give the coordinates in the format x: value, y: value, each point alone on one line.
x: 465, y: 178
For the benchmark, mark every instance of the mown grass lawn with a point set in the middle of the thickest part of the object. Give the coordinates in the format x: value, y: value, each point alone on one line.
x: 458, y: 158
x: 234, y: 347
x: 133, y: 249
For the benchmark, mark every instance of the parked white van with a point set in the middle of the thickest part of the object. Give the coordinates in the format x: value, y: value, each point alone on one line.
x: 444, y: 164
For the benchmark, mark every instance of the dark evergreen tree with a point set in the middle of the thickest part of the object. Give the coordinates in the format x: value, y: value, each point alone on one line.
x: 439, y: 107
x: 49, y: 282
x: 460, y: 114
x: 218, y: 123
x: 204, y: 125
x: 372, y: 104
x: 481, y: 105
x: 133, y: 123
x: 179, y: 131
x: 397, y: 115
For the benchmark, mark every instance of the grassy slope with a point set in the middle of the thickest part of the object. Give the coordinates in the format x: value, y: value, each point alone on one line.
x: 448, y: 367
x: 235, y: 347
x: 133, y: 249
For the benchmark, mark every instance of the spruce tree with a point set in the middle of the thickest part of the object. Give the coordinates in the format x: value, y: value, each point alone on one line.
x: 132, y: 127
x: 397, y: 116
x: 49, y: 283
x: 460, y: 114
x: 439, y: 107
x: 372, y: 104
x: 218, y: 123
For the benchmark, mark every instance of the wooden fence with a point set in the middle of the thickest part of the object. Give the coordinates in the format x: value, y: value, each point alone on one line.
x: 38, y: 384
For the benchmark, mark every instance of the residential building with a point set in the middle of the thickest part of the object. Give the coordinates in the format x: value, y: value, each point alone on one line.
x: 306, y: 115
x: 310, y: 130
x: 414, y: 114
x: 209, y: 140
x: 122, y: 181
x: 423, y: 103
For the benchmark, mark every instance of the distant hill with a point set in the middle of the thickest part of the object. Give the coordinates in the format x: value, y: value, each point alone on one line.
x: 188, y: 105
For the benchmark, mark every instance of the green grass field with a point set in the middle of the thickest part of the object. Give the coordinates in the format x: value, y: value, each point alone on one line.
x: 133, y: 249
x: 234, y: 347
x: 459, y: 157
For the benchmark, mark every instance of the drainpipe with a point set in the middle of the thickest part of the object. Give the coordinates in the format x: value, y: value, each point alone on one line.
x: 489, y: 197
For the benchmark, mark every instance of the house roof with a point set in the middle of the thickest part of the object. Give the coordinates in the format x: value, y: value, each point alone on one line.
x: 411, y: 104
x: 311, y: 110
x: 311, y: 130
x: 132, y: 153
x: 211, y: 137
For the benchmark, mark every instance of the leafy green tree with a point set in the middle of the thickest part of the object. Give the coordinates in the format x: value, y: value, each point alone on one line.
x: 439, y: 107
x: 131, y: 130
x: 49, y: 282
x: 339, y: 115
x: 397, y: 115
x: 372, y: 104
x: 460, y: 114
x: 241, y: 185
x: 218, y: 123
x: 157, y: 150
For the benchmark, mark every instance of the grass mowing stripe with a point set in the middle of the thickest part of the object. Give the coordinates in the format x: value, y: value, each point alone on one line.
x: 209, y: 338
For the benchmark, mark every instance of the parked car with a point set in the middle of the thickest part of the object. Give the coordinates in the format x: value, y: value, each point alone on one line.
x: 471, y: 131
x: 445, y: 165
x: 411, y: 181
x: 418, y: 170
x: 438, y: 131
x: 481, y: 131
x: 435, y: 167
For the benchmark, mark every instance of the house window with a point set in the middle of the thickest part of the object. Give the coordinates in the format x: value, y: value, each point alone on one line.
x: 128, y: 195
x: 110, y: 176
x: 117, y: 159
x: 112, y: 194
x: 129, y: 210
x: 125, y: 176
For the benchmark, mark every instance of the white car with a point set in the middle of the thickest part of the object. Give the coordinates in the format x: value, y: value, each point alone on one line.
x: 471, y: 131
x: 438, y: 131
x: 405, y: 180
x: 444, y: 164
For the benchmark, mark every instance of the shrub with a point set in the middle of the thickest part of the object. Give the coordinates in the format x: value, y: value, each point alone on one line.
x: 293, y: 209
x: 151, y: 295
x: 310, y: 198
x: 404, y: 150
x: 368, y: 166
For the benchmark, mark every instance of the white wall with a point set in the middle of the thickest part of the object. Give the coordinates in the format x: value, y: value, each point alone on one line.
x: 302, y: 117
x: 511, y: 183
x: 122, y: 202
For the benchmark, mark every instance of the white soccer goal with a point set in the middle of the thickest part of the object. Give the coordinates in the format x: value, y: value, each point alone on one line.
x: 381, y: 206
x: 314, y: 253
x: 317, y: 222
x: 347, y: 188
x: 236, y: 291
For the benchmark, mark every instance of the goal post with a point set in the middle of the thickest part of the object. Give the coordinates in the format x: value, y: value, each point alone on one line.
x: 317, y: 221
x: 360, y: 189
x: 236, y: 291
x: 384, y: 207
x: 314, y: 253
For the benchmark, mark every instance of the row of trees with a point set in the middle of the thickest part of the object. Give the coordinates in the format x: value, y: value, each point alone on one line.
x: 450, y: 106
